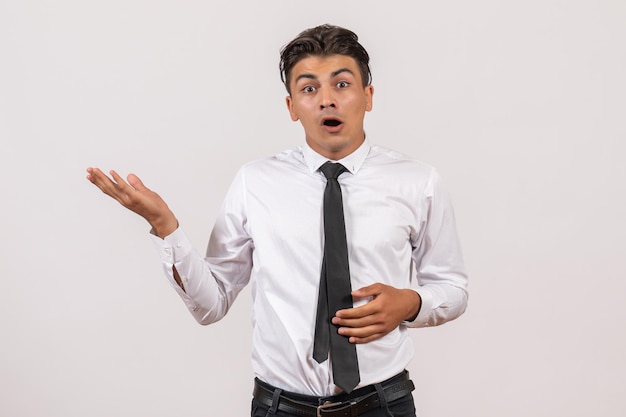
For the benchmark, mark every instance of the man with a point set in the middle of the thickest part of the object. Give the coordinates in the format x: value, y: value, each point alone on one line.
x: 397, y: 244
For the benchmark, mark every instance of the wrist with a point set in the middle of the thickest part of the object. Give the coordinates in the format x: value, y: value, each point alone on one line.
x: 416, y: 305
x: 164, y: 226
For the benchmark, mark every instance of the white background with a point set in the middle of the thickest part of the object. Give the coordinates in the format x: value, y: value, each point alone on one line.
x: 521, y: 106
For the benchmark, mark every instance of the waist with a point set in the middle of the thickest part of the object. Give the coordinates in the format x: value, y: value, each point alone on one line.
x: 358, y: 401
x: 293, y: 369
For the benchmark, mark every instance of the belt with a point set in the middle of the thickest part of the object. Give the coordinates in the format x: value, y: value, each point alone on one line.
x: 355, y: 404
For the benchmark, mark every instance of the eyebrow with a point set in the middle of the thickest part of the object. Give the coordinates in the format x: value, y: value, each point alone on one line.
x: 332, y: 75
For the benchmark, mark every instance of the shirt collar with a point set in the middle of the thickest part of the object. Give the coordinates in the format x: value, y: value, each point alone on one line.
x: 352, y: 162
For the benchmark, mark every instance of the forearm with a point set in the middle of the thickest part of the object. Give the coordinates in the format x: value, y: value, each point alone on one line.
x: 440, y: 303
x: 207, y: 297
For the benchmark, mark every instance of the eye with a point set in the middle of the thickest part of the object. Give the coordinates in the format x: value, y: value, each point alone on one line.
x: 308, y: 89
x: 342, y: 84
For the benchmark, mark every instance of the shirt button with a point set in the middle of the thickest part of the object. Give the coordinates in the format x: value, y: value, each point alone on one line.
x: 168, y: 251
x: 179, y: 245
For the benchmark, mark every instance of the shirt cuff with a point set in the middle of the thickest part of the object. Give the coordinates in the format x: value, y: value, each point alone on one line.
x: 172, y: 250
x: 173, y: 247
x: 425, y: 309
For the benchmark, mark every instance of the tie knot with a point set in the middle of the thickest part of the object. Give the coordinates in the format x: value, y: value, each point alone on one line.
x: 332, y: 170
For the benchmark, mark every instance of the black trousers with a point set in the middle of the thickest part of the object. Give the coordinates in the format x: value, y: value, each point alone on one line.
x: 402, y: 407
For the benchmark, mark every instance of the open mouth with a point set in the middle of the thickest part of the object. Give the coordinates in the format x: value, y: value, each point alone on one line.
x: 332, y: 122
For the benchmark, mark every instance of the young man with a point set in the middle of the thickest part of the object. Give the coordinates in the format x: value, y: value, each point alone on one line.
x: 395, y: 244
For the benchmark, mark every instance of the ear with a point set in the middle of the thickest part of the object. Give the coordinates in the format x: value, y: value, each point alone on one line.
x: 292, y: 112
x: 369, y: 97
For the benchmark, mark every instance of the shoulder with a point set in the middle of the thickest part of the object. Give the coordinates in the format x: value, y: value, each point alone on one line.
x: 407, y: 174
x: 282, y: 163
x: 397, y: 163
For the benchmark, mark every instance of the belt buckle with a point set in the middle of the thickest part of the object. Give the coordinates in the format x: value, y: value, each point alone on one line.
x: 327, y: 404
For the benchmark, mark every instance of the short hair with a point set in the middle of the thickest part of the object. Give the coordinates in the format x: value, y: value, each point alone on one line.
x: 324, y: 40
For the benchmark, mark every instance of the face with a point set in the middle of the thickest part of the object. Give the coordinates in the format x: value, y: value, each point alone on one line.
x: 328, y: 98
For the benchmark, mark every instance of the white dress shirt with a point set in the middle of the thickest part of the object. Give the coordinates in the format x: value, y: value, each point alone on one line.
x: 401, y: 231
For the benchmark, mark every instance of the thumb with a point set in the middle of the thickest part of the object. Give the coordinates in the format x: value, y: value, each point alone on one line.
x: 136, y: 183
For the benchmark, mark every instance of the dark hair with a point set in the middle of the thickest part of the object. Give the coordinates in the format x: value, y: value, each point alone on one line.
x: 324, y: 40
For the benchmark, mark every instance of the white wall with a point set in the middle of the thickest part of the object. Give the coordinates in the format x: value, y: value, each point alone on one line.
x: 520, y: 105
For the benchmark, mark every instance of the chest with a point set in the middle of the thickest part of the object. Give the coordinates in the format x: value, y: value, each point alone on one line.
x: 379, y: 216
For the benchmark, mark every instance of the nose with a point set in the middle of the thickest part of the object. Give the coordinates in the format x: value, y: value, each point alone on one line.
x: 327, y: 99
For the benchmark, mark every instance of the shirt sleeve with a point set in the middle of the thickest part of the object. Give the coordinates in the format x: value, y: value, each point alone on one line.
x: 440, y: 272
x: 211, y: 284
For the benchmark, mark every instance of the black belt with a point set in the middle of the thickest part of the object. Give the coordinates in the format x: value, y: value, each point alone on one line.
x: 357, y: 403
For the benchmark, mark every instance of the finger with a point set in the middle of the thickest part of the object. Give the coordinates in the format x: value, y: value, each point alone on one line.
x: 356, y: 322
x: 125, y: 192
x: 360, y: 331
x: 136, y: 183
x: 368, y: 291
x: 363, y: 319
x: 90, y: 171
x: 361, y: 340
x: 119, y: 181
x: 371, y: 307
x: 94, y: 174
x: 100, y: 180
x: 115, y: 188
x: 356, y: 312
x: 365, y: 333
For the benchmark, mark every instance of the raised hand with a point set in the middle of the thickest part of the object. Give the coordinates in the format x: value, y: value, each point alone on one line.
x: 388, y: 308
x: 135, y: 196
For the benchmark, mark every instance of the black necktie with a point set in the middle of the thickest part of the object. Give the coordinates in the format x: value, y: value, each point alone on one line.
x: 335, y: 287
